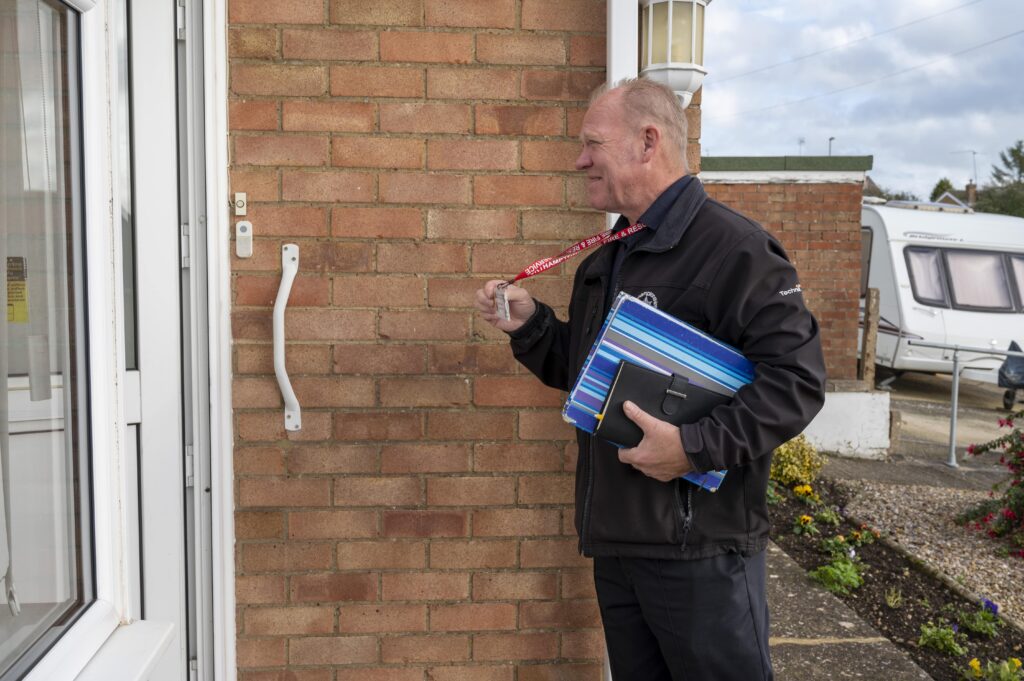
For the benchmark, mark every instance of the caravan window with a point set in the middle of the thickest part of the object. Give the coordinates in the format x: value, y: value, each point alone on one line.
x: 1018, y: 271
x: 865, y: 259
x: 925, y: 266
x: 978, y: 280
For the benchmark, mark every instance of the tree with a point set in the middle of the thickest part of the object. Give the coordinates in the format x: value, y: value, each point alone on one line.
x: 872, y: 189
x: 941, y: 187
x: 1012, y: 171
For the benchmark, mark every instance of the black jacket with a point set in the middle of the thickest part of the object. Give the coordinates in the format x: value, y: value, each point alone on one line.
x: 724, y: 274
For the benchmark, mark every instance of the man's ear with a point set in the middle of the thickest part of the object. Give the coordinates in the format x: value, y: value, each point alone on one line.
x: 651, y: 137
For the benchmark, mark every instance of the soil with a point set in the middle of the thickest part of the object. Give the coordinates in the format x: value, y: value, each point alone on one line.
x: 923, y: 597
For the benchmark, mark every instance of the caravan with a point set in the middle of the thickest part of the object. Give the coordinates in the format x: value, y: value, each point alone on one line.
x: 945, y: 275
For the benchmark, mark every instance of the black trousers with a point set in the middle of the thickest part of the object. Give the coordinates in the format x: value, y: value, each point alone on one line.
x: 685, y: 620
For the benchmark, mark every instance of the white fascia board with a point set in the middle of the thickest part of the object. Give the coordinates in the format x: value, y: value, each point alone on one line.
x: 782, y: 177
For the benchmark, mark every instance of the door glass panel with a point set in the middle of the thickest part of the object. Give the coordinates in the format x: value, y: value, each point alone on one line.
x: 1018, y: 271
x: 45, y: 544
x: 926, y: 275
x: 978, y: 280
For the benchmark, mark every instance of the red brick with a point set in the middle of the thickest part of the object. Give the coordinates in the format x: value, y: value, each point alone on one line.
x: 518, y: 458
x: 281, y: 12
x: 259, y: 589
x: 514, y: 586
x: 471, y: 359
x: 380, y: 674
x: 587, y: 50
x: 377, y: 152
x: 301, y: 359
x: 328, y: 650
x: 520, y: 48
x: 470, y: 491
x: 473, y: 617
x: 379, y: 491
x: 417, y: 257
x: 409, y: 46
x: 329, y: 116
x: 274, y: 79
x: 281, y: 675
x: 378, y: 425
x: 470, y: 425
x: 433, y: 648
x: 252, y: 43
x: 336, y: 458
x: 390, y: 13
x: 262, y: 291
x: 376, y: 81
x: 560, y: 615
x: 471, y: 13
x: 516, y: 522
x: 577, y: 583
x: 552, y: 156
x: 252, y: 115
x: 551, y: 553
x: 519, y: 120
x: 288, y: 221
x: 424, y: 118
x: 332, y: 524
x: 327, y: 587
x: 281, y: 150
x: 518, y: 190
x: 329, y: 44
x: 465, y: 83
x: 576, y: 192
x: 544, y: 425
x: 546, y: 489
x: 560, y: 85
x: 574, y: 120
x: 561, y: 225
x: 378, y: 291
x: 424, y: 325
x: 327, y: 186
x: 283, y: 492
x: 425, y: 586
x: 294, y: 620
x: 447, y: 154
x: 562, y: 672
x: 260, y: 652
x: 581, y: 645
x: 565, y: 15
x: 476, y: 672
x: 334, y: 391
x: 379, y: 359
x: 467, y: 555
x: 421, y: 188
x: 259, y: 525
x: 455, y: 293
x: 260, y: 184
x: 377, y: 223
x: 255, y: 392
x: 330, y: 325
x: 517, y: 646
x: 453, y: 223
x: 383, y: 555
x: 513, y: 391
x: 293, y: 556
x: 378, y: 618
x: 508, y: 259
x: 425, y: 458
x: 259, y: 461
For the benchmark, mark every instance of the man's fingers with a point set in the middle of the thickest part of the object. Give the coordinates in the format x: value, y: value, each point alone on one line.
x: 638, y: 416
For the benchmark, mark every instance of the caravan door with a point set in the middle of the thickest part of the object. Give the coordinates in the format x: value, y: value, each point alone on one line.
x: 923, y: 296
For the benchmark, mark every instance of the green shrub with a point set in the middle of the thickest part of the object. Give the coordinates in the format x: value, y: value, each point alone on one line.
x: 943, y: 638
x: 796, y: 462
x: 841, y: 576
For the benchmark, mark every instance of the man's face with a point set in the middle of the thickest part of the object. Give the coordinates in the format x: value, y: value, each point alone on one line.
x: 610, y: 157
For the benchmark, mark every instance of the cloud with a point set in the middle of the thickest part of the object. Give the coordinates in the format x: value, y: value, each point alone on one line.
x: 864, y: 93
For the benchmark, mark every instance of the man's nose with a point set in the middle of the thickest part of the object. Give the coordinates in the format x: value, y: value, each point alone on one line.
x: 583, y: 160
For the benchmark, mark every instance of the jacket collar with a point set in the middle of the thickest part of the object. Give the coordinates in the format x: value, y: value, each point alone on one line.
x: 668, y: 234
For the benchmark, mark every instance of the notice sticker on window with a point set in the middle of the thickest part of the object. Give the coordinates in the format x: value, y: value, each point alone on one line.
x: 17, y: 290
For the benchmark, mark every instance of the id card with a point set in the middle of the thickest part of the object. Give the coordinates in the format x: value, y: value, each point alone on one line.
x: 501, y: 302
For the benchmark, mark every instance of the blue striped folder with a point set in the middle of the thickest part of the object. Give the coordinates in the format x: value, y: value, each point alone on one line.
x: 643, y: 335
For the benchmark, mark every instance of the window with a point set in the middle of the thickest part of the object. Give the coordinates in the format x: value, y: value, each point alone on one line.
x: 1017, y: 262
x: 45, y: 540
x: 865, y: 259
x: 925, y: 265
x: 978, y: 280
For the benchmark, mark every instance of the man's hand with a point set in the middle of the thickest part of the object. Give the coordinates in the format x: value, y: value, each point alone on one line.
x: 660, y: 454
x: 520, y: 304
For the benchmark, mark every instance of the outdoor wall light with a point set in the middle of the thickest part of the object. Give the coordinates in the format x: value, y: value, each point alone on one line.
x: 672, y: 44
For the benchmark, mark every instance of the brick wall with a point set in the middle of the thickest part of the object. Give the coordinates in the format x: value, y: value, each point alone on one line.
x: 819, y: 226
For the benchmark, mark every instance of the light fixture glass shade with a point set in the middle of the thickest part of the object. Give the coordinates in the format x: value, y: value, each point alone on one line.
x: 672, y: 44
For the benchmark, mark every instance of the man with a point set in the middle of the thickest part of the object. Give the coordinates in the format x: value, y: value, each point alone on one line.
x: 680, y: 571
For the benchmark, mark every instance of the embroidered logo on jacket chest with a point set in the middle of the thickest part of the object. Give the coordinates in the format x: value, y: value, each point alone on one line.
x: 649, y: 298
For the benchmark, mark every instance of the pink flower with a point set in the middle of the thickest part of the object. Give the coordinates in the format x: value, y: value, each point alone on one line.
x: 970, y: 449
x: 1009, y: 514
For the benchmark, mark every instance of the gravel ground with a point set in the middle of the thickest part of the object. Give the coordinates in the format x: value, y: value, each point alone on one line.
x: 921, y: 519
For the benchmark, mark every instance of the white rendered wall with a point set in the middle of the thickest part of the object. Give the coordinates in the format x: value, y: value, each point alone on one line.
x: 854, y: 424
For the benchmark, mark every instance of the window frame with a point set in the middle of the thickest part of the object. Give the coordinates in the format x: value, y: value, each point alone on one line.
x: 930, y: 302
x: 865, y: 260
x: 1015, y: 287
x: 1007, y: 278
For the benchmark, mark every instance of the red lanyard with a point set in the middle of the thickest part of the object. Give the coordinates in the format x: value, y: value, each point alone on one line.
x: 545, y: 264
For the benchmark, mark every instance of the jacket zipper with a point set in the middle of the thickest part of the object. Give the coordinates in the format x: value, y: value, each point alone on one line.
x: 685, y: 511
x: 589, y: 465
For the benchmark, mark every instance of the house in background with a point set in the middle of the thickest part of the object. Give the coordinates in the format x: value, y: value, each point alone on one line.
x: 163, y: 517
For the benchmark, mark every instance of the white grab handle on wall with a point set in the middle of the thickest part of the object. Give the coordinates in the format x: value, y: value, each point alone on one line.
x: 289, y: 266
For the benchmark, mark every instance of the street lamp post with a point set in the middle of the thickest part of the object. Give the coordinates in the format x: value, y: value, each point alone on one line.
x: 830, y: 145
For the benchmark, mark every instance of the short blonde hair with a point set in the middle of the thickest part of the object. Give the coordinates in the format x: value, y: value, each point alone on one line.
x: 645, y: 103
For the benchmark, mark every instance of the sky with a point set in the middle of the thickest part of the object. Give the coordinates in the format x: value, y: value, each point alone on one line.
x: 916, y: 84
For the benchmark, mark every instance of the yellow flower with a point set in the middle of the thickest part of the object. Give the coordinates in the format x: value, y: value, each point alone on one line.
x: 806, y: 520
x: 1015, y: 662
x: 975, y: 666
x: 840, y: 538
x: 802, y: 490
